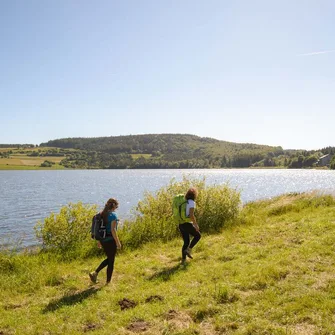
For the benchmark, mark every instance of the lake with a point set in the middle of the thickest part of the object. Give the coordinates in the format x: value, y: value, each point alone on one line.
x: 29, y: 196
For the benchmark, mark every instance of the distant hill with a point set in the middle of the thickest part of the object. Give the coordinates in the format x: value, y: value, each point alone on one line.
x: 168, y: 151
x: 158, y: 151
x: 151, y: 143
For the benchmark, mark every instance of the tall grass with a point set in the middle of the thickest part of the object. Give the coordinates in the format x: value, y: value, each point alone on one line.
x: 67, y: 233
x: 216, y: 206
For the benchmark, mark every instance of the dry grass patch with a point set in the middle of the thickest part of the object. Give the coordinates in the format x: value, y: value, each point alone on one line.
x: 304, y: 329
x: 178, y: 320
x: 10, y: 161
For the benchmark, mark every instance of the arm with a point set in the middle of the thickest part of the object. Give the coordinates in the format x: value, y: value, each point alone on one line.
x: 114, y: 234
x: 192, y: 217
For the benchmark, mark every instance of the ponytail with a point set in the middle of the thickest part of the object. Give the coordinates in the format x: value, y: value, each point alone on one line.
x: 110, y: 204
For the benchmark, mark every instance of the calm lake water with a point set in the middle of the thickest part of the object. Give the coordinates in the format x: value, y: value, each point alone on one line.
x: 29, y: 196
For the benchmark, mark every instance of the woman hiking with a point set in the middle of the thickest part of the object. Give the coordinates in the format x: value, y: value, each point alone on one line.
x: 111, y: 243
x: 190, y: 227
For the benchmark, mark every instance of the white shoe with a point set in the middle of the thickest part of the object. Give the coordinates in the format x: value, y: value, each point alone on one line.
x: 93, y: 276
x: 188, y: 253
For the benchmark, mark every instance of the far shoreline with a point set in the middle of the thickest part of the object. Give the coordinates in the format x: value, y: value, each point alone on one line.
x: 37, y: 168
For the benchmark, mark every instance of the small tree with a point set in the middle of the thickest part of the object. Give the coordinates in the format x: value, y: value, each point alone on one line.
x: 332, y: 163
x: 47, y: 164
x: 310, y: 161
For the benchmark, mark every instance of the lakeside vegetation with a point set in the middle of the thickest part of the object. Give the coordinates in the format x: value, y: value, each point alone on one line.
x: 158, y: 151
x: 266, y: 268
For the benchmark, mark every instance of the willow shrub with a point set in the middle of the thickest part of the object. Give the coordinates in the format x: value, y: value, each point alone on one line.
x: 216, y: 205
x: 68, y: 233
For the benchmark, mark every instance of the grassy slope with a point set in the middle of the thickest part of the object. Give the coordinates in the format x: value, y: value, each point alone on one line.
x: 272, y: 274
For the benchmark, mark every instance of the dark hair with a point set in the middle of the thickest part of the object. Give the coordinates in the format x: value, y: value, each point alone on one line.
x: 191, y: 194
x: 111, y: 203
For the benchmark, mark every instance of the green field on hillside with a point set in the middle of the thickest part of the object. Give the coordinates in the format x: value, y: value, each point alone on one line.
x: 21, y: 159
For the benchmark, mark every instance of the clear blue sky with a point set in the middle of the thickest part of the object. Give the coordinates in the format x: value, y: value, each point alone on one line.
x: 242, y: 71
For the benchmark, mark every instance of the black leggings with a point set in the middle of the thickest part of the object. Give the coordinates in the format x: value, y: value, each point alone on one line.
x: 109, y: 248
x: 187, y: 229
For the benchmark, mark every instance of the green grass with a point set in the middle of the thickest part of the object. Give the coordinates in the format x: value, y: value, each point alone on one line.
x: 270, y: 273
x: 135, y: 156
x: 30, y: 167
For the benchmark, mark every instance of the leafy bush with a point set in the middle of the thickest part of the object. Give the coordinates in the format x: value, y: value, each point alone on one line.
x: 7, y: 263
x: 68, y: 232
x: 216, y: 205
x: 47, y: 164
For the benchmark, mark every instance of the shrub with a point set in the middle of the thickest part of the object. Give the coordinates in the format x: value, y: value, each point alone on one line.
x: 216, y: 205
x: 68, y: 232
x: 47, y: 164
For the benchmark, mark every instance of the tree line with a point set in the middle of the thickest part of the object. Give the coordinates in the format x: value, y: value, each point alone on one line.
x: 179, y: 151
x: 165, y: 151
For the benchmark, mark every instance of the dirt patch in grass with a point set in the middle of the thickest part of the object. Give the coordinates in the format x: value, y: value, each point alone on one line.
x: 178, y: 320
x: 323, y: 280
x: 207, y: 328
x: 89, y: 327
x: 127, y: 303
x: 138, y: 326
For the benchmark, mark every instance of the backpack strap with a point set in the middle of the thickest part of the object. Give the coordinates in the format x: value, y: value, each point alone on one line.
x: 180, y: 207
x: 106, y: 223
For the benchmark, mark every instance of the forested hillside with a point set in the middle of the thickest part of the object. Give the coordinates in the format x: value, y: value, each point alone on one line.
x: 161, y: 151
x: 155, y: 151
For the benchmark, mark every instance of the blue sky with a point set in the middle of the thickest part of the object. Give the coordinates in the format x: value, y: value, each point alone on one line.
x: 241, y: 71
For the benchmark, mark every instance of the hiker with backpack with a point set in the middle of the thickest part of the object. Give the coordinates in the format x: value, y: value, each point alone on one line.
x: 104, y: 229
x: 183, y: 213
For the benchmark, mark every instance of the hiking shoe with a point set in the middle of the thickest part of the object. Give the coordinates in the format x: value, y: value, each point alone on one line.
x: 93, y: 277
x: 188, y: 253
